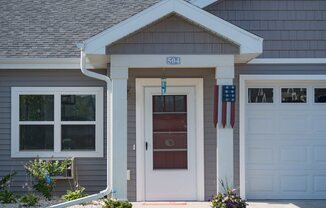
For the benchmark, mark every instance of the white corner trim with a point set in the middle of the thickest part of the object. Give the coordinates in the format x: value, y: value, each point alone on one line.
x: 99, y: 62
x: 202, y: 3
x: 288, y: 61
x: 140, y: 118
x: 242, y: 113
x: 56, y: 92
x: 248, y: 42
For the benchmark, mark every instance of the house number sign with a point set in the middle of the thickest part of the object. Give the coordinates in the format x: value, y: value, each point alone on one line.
x: 173, y: 60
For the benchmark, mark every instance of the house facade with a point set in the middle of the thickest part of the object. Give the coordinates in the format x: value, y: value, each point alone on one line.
x: 134, y: 91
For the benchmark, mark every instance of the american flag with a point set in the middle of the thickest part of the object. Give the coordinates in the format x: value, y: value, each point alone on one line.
x: 224, y: 107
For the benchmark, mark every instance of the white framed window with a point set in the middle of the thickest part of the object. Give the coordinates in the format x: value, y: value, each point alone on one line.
x: 56, y: 122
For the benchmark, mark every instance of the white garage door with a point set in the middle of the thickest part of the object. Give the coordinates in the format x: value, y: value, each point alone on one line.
x: 286, y: 140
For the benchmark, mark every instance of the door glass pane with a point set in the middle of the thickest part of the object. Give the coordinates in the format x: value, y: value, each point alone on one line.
x: 170, y: 132
x: 260, y: 95
x: 170, y: 160
x: 294, y: 95
x: 320, y: 95
x: 170, y: 122
x: 169, y: 103
x: 36, y: 107
x: 36, y: 137
x: 180, y: 103
x: 78, y: 107
x: 170, y: 140
x: 78, y: 137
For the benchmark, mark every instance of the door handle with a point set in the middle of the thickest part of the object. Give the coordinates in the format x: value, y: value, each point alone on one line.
x: 146, y: 146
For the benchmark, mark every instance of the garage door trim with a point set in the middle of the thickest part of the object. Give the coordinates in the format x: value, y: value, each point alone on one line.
x: 242, y: 112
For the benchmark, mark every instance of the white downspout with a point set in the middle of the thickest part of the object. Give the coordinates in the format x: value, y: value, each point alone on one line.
x: 108, y: 189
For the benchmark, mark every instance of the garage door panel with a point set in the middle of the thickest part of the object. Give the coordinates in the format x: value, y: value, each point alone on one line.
x: 317, y: 126
x: 294, y: 183
x: 319, y: 183
x: 259, y: 155
x: 319, y: 154
x: 258, y: 125
x: 290, y: 124
x: 286, y: 147
x: 261, y: 183
x: 297, y: 154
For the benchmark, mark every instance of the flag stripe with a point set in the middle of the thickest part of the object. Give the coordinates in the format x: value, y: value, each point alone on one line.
x: 223, y: 114
x: 232, y: 114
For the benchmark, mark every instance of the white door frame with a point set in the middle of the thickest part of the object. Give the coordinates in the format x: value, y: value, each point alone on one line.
x: 242, y: 112
x: 141, y: 83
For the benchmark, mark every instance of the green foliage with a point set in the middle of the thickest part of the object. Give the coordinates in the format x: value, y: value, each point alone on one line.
x: 229, y: 199
x: 6, y: 180
x: 7, y: 197
x: 29, y: 200
x: 44, y: 188
x: 43, y: 171
x: 111, y: 203
x: 76, y: 194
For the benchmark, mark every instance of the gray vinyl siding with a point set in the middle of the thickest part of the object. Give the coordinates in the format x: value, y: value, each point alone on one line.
x: 91, y: 172
x: 175, y: 35
x: 209, y: 131
x: 303, y: 69
x: 290, y: 28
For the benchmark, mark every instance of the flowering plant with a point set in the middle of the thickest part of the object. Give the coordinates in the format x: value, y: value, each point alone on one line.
x: 228, y: 199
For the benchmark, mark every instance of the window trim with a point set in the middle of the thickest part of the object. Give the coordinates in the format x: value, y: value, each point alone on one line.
x: 57, y: 92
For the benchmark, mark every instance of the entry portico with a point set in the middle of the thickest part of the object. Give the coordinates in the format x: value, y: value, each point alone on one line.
x: 233, y: 45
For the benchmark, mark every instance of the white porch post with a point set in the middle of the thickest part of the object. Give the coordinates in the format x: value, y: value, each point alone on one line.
x: 224, y: 75
x: 119, y: 76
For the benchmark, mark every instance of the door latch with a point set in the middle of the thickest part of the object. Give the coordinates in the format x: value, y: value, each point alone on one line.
x: 146, y: 145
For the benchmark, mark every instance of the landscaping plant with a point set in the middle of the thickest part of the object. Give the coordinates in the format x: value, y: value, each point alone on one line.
x: 43, y: 171
x: 6, y: 196
x: 76, y: 194
x: 29, y: 200
x: 228, y: 199
x: 112, y: 203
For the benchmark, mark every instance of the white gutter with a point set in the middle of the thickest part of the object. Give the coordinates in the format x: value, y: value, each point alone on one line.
x: 108, y: 189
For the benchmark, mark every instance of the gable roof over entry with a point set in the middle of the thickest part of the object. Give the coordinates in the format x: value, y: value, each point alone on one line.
x: 249, y: 43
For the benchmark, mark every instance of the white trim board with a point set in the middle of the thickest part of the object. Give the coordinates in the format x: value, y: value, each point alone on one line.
x: 242, y: 113
x: 74, y: 63
x: 202, y: 3
x: 248, y: 42
x: 288, y: 61
x: 140, y: 156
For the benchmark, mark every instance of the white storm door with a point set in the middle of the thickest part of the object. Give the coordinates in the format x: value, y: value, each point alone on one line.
x: 170, y: 144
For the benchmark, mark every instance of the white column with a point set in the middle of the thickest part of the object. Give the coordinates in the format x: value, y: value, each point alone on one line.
x: 224, y: 75
x: 119, y: 76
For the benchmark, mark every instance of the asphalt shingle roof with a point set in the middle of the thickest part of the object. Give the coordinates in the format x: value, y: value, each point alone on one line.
x: 51, y: 28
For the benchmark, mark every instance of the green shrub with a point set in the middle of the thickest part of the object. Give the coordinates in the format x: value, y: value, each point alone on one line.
x: 76, y: 194
x: 29, y: 200
x: 228, y: 199
x: 7, y: 197
x: 4, y: 182
x: 111, y: 203
x: 43, y: 171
